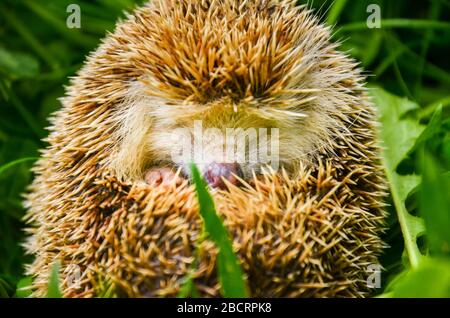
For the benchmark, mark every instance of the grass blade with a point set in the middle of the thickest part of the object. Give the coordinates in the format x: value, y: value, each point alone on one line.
x: 59, y: 25
x: 29, y: 37
x: 53, y: 284
x: 11, y: 164
x: 335, y: 11
x: 229, y: 272
x: 397, y: 23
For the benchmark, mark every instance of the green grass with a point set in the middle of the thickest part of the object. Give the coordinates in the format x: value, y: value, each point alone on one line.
x: 229, y: 272
x: 406, y: 60
x: 53, y: 284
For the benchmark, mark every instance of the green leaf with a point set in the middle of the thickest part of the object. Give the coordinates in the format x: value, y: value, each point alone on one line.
x: 430, y: 279
x: 435, y: 205
x: 24, y: 287
x: 398, y: 135
x: 430, y: 130
x: 18, y: 65
x: 229, y: 272
x: 53, y: 284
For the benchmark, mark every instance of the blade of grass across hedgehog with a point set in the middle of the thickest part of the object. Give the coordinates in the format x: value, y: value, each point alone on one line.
x: 53, y: 284
x: 229, y: 272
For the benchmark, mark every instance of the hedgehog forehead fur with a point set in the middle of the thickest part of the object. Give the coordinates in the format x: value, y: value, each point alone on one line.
x: 310, y: 229
x: 231, y: 64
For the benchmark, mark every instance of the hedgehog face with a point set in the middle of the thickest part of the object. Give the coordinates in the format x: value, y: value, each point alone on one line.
x: 236, y: 137
x: 261, y: 66
x: 224, y: 134
x: 220, y: 132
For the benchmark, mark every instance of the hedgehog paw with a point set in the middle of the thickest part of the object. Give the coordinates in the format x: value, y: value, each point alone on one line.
x: 162, y: 176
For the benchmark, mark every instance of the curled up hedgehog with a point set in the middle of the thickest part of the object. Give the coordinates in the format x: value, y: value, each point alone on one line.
x: 113, y: 199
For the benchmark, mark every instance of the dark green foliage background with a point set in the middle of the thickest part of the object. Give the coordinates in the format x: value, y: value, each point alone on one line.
x: 408, y: 57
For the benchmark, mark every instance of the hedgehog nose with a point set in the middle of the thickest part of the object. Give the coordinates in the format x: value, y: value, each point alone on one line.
x: 216, y: 173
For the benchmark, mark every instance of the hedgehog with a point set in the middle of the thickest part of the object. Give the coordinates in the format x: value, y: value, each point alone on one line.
x: 113, y: 201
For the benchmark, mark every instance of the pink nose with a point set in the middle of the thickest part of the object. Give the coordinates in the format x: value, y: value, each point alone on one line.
x: 217, y: 172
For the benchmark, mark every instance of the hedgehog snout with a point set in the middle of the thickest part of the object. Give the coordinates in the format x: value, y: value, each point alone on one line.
x: 215, y: 174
